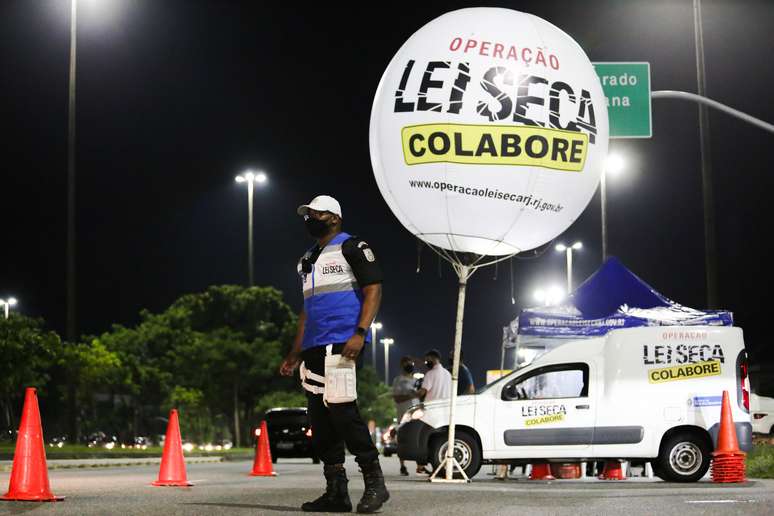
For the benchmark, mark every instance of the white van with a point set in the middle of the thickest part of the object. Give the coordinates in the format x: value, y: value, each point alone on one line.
x: 762, y: 409
x: 650, y: 393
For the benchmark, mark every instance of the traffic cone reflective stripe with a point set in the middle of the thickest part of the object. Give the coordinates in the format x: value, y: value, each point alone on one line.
x: 262, y: 466
x: 172, y: 471
x: 728, y: 461
x: 29, y: 476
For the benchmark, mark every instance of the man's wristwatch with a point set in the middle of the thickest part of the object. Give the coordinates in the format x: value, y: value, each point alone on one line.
x: 361, y: 331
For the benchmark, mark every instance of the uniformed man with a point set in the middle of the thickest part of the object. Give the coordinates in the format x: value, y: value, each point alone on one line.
x: 342, y: 287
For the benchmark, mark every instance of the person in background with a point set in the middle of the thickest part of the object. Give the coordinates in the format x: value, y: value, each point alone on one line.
x: 436, y: 385
x: 405, y: 396
x: 465, y: 384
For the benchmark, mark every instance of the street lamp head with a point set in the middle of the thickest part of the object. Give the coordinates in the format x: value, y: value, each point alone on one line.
x: 260, y: 177
x: 377, y: 325
x: 12, y: 301
x: 240, y: 179
x: 555, y: 295
x: 561, y: 248
x: 577, y: 245
x: 614, y: 164
x: 249, y: 175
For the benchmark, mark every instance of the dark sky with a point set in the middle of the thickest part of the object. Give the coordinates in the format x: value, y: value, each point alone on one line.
x: 176, y: 97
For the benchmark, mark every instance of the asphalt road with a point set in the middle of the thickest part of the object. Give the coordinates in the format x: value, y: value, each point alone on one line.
x: 225, y: 488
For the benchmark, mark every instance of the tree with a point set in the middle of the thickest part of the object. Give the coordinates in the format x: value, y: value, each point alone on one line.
x: 224, y: 344
x: 27, y: 353
x: 374, y: 398
x: 243, y: 335
x: 196, y: 421
x: 90, y: 368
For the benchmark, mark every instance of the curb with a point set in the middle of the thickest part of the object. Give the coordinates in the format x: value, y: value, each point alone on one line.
x: 6, y: 466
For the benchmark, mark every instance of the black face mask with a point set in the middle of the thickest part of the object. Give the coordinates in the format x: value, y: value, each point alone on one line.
x: 409, y: 368
x: 316, y: 227
x: 429, y: 363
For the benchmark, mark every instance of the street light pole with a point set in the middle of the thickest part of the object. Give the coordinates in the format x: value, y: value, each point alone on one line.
x: 567, y: 249
x: 71, y: 314
x: 8, y: 303
x: 250, y: 178
x: 613, y: 165
x: 374, y: 326
x: 387, y: 343
x: 603, y: 201
x: 710, y: 252
x: 250, y: 265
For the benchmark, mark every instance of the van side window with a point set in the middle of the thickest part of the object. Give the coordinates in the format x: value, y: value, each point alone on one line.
x: 551, y: 382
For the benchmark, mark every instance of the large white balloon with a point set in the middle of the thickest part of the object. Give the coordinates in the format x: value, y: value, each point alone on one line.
x: 488, y: 132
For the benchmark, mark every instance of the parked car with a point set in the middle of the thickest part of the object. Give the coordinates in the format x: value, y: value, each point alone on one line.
x: 100, y: 439
x: 390, y: 440
x: 139, y: 443
x: 290, y: 433
x: 649, y: 394
x: 57, y: 441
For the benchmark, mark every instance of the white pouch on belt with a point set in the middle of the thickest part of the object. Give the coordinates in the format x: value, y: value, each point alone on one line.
x: 340, y: 382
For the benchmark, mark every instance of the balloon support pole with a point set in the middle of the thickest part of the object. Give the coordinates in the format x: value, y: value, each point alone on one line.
x: 450, y: 462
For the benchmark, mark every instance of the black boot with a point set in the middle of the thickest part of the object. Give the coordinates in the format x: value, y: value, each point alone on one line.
x: 375, y: 493
x: 336, y: 496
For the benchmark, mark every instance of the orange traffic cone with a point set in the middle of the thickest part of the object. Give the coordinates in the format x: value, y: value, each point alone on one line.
x: 29, y: 476
x: 541, y: 471
x: 262, y: 466
x: 567, y: 470
x: 172, y: 471
x: 612, y: 471
x: 727, y: 459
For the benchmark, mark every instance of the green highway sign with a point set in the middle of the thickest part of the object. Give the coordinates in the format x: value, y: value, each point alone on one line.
x: 627, y: 89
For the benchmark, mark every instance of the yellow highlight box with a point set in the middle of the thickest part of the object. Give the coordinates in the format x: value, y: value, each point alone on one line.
x: 554, y: 418
x: 521, y: 145
x: 685, y: 372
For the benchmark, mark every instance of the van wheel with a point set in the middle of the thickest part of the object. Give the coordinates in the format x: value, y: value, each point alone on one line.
x: 684, y: 457
x: 466, y: 451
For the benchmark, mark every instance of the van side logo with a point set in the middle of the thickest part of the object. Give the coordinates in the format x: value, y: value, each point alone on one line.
x: 666, y: 354
x: 543, y: 414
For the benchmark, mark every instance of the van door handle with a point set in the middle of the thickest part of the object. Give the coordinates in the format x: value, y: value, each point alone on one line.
x: 582, y: 407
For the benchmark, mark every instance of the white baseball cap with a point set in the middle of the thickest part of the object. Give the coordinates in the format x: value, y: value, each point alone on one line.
x: 321, y: 203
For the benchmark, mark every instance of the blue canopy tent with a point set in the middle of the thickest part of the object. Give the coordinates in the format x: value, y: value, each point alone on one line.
x: 611, y: 298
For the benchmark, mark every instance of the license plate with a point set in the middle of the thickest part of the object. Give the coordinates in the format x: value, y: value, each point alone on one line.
x: 284, y: 446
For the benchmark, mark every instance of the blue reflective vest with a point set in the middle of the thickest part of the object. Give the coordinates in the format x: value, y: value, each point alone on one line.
x: 332, y: 297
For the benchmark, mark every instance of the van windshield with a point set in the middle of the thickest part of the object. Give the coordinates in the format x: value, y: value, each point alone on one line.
x: 490, y: 385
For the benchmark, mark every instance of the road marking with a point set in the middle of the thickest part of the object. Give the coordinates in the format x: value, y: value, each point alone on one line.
x: 720, y: 501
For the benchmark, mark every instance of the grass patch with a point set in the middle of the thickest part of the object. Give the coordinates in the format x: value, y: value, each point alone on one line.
x: 760, y: 461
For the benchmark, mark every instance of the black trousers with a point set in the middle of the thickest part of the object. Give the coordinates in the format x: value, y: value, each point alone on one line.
x: 338, y: 423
